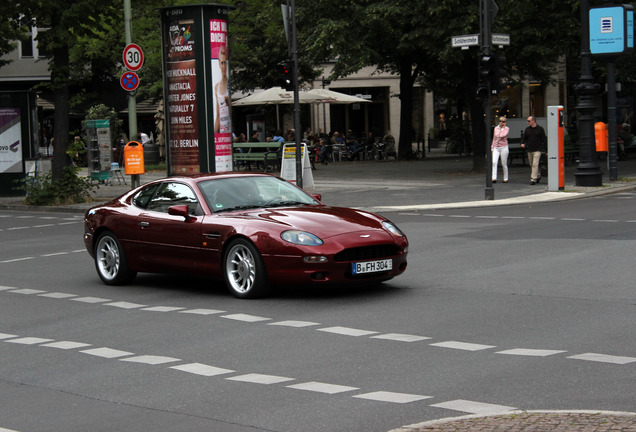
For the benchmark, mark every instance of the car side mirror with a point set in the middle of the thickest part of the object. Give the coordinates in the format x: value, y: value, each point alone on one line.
x: 317, y: 196
x: 179, y: 210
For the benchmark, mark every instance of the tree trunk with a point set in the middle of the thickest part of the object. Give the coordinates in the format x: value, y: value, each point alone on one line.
x: 59, y: 79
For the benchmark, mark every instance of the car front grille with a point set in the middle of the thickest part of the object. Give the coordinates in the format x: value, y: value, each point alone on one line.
x: 367, y: 253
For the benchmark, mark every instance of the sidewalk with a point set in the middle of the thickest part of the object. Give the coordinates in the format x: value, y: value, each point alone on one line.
x: 436, y: 182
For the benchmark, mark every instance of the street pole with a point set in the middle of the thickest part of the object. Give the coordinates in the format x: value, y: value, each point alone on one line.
x: 486, y: 36
x: 299, y: 156
x: 611, y: 121
x: 132, y: 101
x: 588, y: 172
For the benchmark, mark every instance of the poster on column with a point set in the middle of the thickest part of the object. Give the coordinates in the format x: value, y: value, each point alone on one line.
x: 182, y: 107
x: 10, y: 141
x: 221, y: 95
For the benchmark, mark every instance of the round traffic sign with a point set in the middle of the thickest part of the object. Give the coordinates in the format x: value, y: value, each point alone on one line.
x: 133, y: 57
x: 129, y: 81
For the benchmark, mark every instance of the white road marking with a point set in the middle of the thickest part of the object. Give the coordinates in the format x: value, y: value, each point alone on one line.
x: 27, y: 291
x: 347, y: 331
x: 462, y: 346
x: 57, y: 295
x: 245, y: 317
x: 163, y: 308
x: 7, y: 336
x: 54, y: 254
x: 202, y: 311
x: 16, y: 260
x: 603, y: 358
x: 107, y: 352
x: 202, y: 369
x: 400, y: 337
x: 257, y: 378
x: 44, y: 226
x: 530, y: 352
x: 384, y: 396
x: 473, y: 407
x: 66, y: 345
x: 6, y: 288
x: 297, y: 324
x: 151, y: 359
x: 29, y: 340
x: 125, y: 305
x: 90, y: 299
x: 322, y: 387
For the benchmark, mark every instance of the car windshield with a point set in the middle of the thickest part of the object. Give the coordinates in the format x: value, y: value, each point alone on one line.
x: 239, y: 193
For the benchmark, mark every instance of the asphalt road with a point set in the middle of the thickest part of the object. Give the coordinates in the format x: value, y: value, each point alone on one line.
x: 518, y: 307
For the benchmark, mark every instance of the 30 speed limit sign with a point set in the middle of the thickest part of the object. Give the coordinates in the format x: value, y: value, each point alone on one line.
x: 133, y: 57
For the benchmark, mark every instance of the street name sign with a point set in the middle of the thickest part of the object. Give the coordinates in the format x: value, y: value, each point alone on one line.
x: 500, y: 39
x: 465, y: 40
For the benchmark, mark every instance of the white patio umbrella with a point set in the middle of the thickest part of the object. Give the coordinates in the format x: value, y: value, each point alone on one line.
x: 330, y: 96
x: 275, y: 96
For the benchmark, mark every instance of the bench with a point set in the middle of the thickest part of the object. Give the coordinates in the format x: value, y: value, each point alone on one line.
x: 256, y: 152
x: 516, y: 152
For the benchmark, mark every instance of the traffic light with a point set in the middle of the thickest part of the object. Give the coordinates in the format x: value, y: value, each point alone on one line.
x: 487, y: 67
x: 500, y: 73
x: 286, y: 75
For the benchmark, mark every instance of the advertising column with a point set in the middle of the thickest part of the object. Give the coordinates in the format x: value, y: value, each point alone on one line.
x: 197, y: 89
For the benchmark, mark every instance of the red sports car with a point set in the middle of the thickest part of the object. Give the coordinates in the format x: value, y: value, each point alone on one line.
x: 254, y: 230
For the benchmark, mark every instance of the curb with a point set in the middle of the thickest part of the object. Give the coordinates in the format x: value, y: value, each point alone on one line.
x: 531, y: 421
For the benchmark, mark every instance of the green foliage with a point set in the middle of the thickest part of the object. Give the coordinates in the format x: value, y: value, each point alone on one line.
x: 45, y: 191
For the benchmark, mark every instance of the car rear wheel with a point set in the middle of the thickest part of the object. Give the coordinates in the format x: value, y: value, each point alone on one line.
x: 110, y: 260
x: 244, y: 270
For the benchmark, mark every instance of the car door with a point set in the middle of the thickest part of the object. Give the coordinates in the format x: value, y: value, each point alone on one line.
x: 169, y: 242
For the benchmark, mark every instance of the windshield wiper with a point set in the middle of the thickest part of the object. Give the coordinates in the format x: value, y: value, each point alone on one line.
x: 287, y: 203
x: 239, y: 207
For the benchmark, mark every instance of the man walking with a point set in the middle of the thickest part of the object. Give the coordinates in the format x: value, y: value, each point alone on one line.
x: 534, y: 141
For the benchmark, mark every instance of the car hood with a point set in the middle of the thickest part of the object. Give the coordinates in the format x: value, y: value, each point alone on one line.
x: 326, y: 220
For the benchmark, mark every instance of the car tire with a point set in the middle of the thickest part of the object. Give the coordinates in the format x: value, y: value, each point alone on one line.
x: 244, y: 270
x: 110, y: 260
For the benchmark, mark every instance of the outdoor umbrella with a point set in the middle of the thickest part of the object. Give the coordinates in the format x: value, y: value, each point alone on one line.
x: 275, y: 96
x: 330, y: 96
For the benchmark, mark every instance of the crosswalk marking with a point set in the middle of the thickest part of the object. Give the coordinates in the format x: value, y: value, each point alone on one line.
x: 107, y: 352
x: 347, y: 331
x: 296, y: 324
x: 257, y: 378
x: 202, y: 311
x: 320, y: 387
x: 66, y: 345
x: 151, y: 359
x: 28, y: 340
x: 201, y: 369
x: 384, y: 396
x: 245, y: 317
x: 400, y: 337
x: 530, y: 352
x: 473, y: 407
x: 462, y: 346
x: 603, y: 358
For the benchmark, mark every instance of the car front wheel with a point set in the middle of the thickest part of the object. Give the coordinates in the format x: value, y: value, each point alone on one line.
x: 244, y: 270
x: 110, y: 260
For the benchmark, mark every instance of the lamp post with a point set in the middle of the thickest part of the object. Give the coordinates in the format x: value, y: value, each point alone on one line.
x: 588, y: 172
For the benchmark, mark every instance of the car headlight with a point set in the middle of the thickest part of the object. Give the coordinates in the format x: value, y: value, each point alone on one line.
x: 392, y: 228
x: 301, y: 238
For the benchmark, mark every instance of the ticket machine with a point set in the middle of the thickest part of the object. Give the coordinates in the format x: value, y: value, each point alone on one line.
x: 556, y: 156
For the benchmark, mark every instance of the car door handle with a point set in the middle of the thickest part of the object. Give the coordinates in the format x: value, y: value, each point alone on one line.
x: 212, y: 235
x: 143, y: 224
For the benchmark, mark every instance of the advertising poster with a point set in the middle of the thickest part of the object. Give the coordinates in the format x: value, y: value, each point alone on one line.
x: 221, y: 95
x: 181, y: 105
x: 10, y: 141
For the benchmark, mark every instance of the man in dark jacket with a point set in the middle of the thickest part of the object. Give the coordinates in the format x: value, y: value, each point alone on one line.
x: 534, y: 141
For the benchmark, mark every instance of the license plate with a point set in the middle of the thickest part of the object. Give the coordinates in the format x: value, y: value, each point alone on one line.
x: 372, y: 266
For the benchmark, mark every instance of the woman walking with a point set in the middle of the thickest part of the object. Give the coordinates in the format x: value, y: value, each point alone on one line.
x: 499, y: 149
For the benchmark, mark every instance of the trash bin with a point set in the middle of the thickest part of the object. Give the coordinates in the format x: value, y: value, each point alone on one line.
x: 601, y: 133
x: 134, y: 158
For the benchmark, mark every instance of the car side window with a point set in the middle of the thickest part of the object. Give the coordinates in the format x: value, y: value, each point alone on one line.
x: 142, y: 197
x: 170, y: 194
